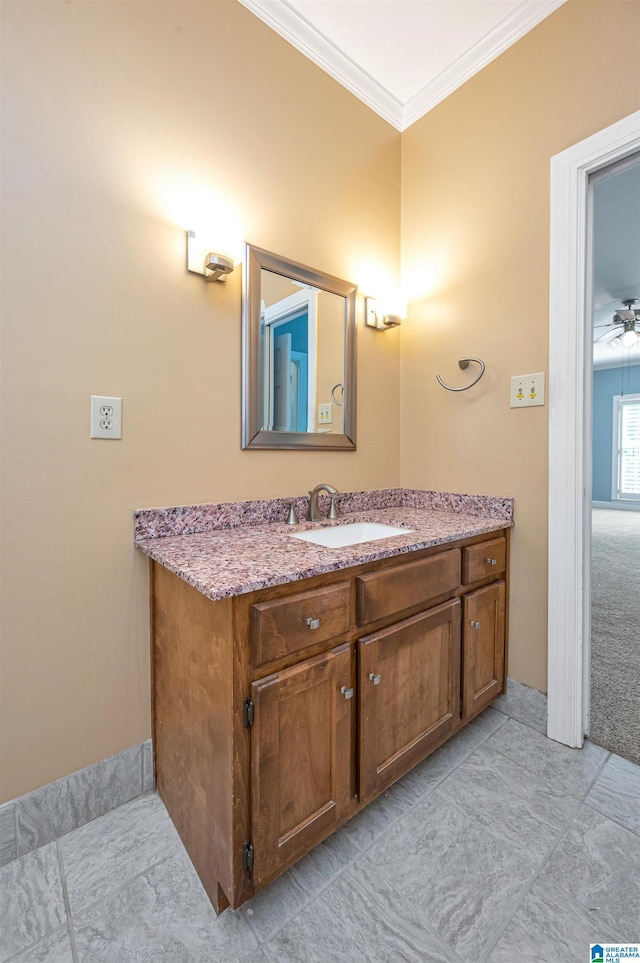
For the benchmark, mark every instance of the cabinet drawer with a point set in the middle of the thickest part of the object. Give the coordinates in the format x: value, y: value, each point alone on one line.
x: 397, y: 589
x: 283, y: 626
x: 483, y: 560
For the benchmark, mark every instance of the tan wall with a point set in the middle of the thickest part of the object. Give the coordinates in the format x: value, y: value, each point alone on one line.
x: 475, y: 251
x: 125, y: 123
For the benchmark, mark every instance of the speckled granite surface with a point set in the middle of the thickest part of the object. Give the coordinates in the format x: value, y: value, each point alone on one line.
x: 189, y: 519
x: 230, y: 549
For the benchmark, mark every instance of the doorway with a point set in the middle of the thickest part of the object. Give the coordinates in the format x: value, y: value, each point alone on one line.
x: 614, y: 643
x: 569, y: 427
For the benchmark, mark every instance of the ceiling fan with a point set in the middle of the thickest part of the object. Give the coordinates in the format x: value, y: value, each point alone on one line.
x: 625, y: 327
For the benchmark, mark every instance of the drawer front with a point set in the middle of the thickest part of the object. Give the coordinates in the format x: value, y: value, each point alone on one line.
x: 484, y: 560
x: 382, y: 594
x: 283, y: 626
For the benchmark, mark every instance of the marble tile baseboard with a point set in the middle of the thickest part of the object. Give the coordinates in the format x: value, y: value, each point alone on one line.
x: 37, y: 818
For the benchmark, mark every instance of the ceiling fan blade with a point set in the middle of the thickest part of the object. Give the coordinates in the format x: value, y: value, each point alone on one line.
x: 609, y: 335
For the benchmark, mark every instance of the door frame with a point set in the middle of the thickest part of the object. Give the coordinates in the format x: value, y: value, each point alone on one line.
x: 570, y: 425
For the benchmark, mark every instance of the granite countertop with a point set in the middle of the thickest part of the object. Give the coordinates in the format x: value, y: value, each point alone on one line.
x: 234, y: 548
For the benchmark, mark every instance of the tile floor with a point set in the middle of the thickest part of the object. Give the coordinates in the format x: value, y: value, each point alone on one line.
x: 502, y: 847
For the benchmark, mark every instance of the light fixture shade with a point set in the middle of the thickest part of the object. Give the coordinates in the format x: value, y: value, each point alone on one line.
x: 217, y: 266
x: 213, y: 267
x: 629, y: 338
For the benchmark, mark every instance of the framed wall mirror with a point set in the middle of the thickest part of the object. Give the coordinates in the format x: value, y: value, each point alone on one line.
x: 298, y: 356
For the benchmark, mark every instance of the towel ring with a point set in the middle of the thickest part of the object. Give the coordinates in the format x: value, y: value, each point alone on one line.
x: 333, y: 397
x: 464, y: 363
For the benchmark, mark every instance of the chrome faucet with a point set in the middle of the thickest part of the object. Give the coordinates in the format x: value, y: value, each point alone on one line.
x: 314, y: 511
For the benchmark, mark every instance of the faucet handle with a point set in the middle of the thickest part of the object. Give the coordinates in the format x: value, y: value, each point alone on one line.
x: 292, y: 518
x: 333, y: 508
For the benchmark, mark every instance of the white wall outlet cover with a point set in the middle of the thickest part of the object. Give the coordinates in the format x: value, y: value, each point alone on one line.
x: 106, y: 417
x: 527, y: 391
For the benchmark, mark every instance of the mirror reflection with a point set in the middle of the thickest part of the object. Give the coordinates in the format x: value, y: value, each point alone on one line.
x: 302, y: 348
x: 299, y: 356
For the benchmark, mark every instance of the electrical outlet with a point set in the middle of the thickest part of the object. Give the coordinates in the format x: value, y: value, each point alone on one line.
x: 527, y: 391
x: 325, y: 416
x: 106, y: 417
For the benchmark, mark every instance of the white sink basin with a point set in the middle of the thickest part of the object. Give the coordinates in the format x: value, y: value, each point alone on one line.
x: 351, y: 534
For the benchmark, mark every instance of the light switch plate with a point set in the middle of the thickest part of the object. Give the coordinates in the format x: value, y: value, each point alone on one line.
x: 527, y: 391
x: 325, y: 415
x: 106, y: 417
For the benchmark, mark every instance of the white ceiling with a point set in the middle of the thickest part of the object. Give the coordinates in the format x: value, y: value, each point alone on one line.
x: 402, y: 57
x: 616, y: 254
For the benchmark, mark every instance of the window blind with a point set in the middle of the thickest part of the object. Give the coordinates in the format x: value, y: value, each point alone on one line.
x: 629, y: 447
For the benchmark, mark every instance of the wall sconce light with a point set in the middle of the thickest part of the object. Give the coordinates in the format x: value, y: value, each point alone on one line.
x: 213, y: 267
x: 374, y: 320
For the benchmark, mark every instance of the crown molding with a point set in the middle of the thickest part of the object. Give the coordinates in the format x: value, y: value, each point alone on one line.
x: 512, y: 28
x: 298, y: 31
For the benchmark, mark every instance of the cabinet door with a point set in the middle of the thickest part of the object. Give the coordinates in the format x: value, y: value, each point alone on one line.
x: 483, y: 647
x: 409, y: 689
x: 300, y: 758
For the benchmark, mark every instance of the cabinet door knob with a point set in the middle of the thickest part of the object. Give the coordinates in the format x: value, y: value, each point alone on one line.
x: 376, y: 679
x: 474, y: 625
x: 347, y: 692
x: 313, y: 623
x: 490, y: 561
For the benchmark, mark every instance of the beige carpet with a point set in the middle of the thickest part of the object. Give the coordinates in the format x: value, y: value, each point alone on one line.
x: 615, y: 632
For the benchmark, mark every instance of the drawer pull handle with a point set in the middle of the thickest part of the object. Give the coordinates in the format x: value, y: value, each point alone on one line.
x: 313, y: 623
x: 347, y: 692
x: 474, y: 625
x: 491, y: 561
x: 376, y: 679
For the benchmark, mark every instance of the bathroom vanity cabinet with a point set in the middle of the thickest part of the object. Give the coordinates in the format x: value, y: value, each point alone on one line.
x: 280, y: 713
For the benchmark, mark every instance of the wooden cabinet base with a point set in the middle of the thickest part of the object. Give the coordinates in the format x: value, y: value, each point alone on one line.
x: 279, y: 715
